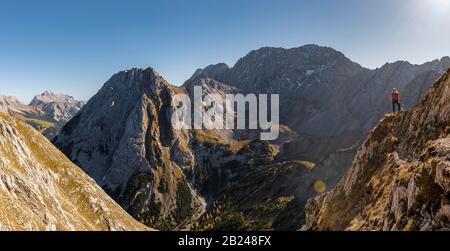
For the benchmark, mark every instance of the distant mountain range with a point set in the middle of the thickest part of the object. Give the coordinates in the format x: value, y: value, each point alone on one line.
x: 47, y: 112
x: 168, y: 178
x: 57, y: 107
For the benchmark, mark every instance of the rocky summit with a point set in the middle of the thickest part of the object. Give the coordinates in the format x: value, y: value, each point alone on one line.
x: 400, y: 178
x: 40, y: 189
x: 329, y: 101
x: 47, y: 112
x: 124, y: 140
x: 57, y: 107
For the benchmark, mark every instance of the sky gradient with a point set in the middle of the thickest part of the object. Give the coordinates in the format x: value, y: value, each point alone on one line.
x: 73, y: 47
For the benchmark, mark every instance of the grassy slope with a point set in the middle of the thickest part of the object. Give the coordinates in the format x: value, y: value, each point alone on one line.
x: 43, y: 190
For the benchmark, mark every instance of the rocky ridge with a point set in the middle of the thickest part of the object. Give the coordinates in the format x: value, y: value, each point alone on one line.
x: 399, y: 179
x: 40, y: 189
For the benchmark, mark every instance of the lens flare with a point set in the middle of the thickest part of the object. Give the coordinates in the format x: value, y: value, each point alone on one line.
x: 320, y: 186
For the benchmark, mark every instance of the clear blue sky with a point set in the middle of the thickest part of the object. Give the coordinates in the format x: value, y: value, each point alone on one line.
x: 75, y: 46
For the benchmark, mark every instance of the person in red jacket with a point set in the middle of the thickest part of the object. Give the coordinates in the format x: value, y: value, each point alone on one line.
x: 395, y: 96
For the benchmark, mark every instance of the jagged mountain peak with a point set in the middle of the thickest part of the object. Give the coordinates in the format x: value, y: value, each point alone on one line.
x: 397, y: 63
x: 438, y: 65
x: 289, y: 71
x: 56, y: 107
x: 214, y: 71
x: 445, y: 60
x: 124, y: 139
x: 51, y: 97
x: 310, y: 51
x: 48, y: 93
x: 135, y: 70
x: 135, y: 78
x: 47, y: 112
x: 209, y: 84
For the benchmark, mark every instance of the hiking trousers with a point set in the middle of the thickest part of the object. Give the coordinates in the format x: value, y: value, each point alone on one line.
x: 394, y: 103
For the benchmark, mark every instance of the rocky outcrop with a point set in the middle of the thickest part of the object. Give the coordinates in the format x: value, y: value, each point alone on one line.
x: 47, y: 112
x: 399, y: 179
x: 40, y: 189
x: 57, y: 107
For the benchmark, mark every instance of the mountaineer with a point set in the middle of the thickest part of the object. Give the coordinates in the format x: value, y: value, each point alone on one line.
x: 395, y: 97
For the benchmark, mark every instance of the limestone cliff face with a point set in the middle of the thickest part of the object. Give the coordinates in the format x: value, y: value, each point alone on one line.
x: 123, y: 139
x: 40, y: 189
x: 400, y: 178
x: 57, y: 107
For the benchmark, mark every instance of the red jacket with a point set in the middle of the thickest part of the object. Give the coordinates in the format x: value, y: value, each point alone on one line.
x: 395, y: 96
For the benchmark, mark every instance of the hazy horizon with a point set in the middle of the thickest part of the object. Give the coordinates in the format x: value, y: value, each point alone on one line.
x: 73, y: 48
